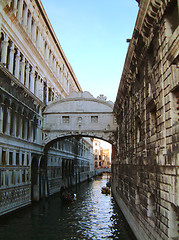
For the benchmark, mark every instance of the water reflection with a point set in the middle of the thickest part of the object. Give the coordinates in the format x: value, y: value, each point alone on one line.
x: 92, y: 216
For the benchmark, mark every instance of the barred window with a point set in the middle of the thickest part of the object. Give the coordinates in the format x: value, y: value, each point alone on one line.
x: 94, y: 119
x: 65, y: 119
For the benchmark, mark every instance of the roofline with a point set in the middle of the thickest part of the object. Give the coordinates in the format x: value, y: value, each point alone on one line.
x: 47, y: 21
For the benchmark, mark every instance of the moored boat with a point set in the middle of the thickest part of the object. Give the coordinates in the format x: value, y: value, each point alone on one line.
x: 105, y: 190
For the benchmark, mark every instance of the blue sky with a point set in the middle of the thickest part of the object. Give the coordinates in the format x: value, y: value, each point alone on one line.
x: 93, y: 36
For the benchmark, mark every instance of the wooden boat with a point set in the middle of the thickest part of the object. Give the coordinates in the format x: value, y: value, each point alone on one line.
x: 105, y: 190
x: 67, y: 195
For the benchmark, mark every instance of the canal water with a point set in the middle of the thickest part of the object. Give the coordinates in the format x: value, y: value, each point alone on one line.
x: 92, y: 216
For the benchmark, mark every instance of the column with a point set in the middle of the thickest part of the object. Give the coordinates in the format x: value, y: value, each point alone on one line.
x: 11, y: 58
x: 17, y: 64
x: 40, y: 85
x: 20, y: 124
x: 0, y: 158
x: 12, y: 121
x: 47, y: 95
x: 19, y: 13
x: 25, y: 127
x: 8, y: 120
x: 31, y: 130
x: 14, y: 158
x: 32, y: 79
x: 22, y: 70
x: 38, y: 135
x: 4, y: 45
x: 15, y: 122
x: 1, y: 117
x: 7, y: 157
x: 15, y: 7
x: 27, y: 75
x: 37, y: 87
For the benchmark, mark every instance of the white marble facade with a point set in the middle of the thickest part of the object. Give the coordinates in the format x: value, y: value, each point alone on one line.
x: 80, y: 114
x: 33, y: 72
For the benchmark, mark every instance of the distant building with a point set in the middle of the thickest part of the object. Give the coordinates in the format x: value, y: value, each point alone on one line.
x: 106, y: 158
x: 102, y: 156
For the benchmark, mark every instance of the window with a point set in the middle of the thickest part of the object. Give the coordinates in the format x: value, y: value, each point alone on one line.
x: 27, y: 160
x: 114, y: 120
x: 172, y: 16
x: 94, y: 119
x: 10, y: 158
x: 65, y: 119
x: 3, y: 157
x: 23, y: 159
x: 79, y: 119
x: 153, y: 121
x: 175, y: 106
x: 17, y: 159
x: 151, y: 205
x: 138, y: 129
x: 23, y: 176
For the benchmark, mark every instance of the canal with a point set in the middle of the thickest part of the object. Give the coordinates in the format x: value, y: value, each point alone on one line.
x: 92, y: 216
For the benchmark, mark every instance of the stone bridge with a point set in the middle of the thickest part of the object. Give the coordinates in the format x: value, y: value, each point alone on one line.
x: 80, y: 114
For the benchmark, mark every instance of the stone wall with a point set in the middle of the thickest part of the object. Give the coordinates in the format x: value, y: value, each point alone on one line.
x: 145, y: 165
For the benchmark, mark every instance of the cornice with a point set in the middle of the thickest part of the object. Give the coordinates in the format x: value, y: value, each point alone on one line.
x: 150, y: 13
x: 50, y: 28
x: 17, y: 82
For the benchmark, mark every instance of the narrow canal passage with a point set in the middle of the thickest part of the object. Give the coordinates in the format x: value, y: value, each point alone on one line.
x: 92, y: 216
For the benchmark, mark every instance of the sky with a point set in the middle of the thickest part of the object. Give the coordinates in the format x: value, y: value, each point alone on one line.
x: 92, y: 34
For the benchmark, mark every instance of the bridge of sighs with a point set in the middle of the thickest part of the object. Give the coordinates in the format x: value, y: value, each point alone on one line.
x: 80, y: 114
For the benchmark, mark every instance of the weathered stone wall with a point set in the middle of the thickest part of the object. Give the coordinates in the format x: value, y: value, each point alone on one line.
x: 145, y: 167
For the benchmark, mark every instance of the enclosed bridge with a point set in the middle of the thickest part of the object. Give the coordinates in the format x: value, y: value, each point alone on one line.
x: 80, y: 114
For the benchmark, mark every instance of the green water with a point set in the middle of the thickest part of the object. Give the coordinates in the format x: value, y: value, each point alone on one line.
x: 92, y: 216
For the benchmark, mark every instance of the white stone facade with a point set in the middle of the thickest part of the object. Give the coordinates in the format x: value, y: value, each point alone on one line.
x: 33, y: 72
x: 80, y: 114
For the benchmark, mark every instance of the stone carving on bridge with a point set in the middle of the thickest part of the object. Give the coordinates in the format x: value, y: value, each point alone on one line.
x: 79, y: 114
